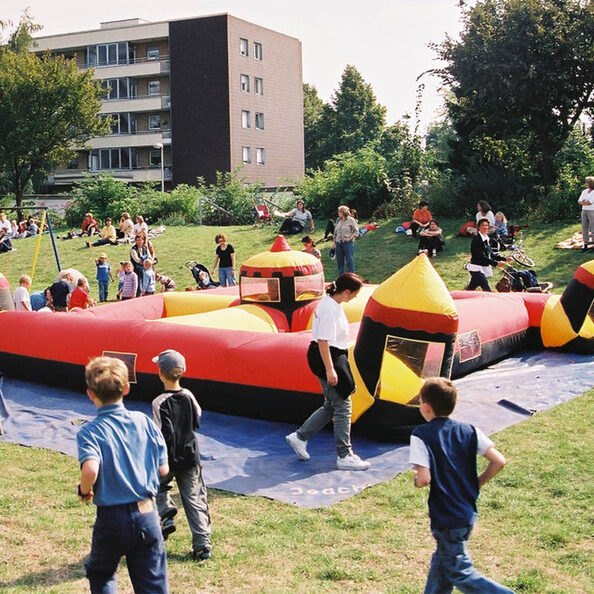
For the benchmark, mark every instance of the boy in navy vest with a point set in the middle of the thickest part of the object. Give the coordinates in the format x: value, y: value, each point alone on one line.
x: 443, y: 455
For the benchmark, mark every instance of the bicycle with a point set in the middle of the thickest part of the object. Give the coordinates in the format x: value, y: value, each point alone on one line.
x: 520, y: 256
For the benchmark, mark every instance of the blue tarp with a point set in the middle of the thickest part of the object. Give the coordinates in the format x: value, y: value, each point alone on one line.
x: 251, y: 457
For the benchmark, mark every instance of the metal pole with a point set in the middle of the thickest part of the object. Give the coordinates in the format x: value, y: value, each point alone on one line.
x: 162, y: 169
x: 51, y: 234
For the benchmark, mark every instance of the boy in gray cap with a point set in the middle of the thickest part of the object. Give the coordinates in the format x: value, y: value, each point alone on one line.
x: 177, y: 414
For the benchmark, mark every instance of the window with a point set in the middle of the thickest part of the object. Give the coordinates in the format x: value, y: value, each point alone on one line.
x: 108, y: 54
x: 73, y: 164
x: 245, y: 119
x: 119, y: 88
x: 259, y: 86
x: 155, y: 158
x: 152, y: 52
x: 154, y: 87
x: 257, y: 51
x: 243, y: 47
x: 309, y: 287
x: 123, y: 123
x: 154, y: 122
x: 259, y: 289
x: 259, y: 121
x: 260, y: 156
x: 119, y: 158
x: 246, y: 154
x: 245, y: 83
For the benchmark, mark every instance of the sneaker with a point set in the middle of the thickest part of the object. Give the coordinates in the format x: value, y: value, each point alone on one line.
x: 201, y: 554
x: 351, y: 462
x: 167, y: 528
x: 298, y: 445
x: 434, y: 253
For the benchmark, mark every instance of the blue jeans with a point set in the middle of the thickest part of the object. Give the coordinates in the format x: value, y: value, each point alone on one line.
x: 193, y: 495
x: 335, y: 408
x: 345, y: 252
x: 225, y: 277
x: 125, y: 530
x: 103, y: 289
x: 451, y: 566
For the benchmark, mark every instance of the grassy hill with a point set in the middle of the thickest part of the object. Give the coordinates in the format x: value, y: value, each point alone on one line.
x: 378, y: 254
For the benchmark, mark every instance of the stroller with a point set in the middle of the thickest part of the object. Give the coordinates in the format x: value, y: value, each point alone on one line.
x: 521, y: 280
x: 201, y: 275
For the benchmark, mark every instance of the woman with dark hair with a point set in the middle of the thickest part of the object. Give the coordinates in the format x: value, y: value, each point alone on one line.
x: 482, y: 259
x: 421, y: 217
x: 431, y: 240
x: 328, y: 359
x: 139, y: 252
x: 296, y: 219
x: 483, y: 212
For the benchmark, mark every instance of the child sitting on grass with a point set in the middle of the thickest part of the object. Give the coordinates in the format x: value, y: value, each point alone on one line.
x: 122, y: 454
x: 177, y: 413
x: 443, y: 455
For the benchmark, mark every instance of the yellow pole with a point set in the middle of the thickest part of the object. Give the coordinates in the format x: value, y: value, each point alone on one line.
x: 37, y: 245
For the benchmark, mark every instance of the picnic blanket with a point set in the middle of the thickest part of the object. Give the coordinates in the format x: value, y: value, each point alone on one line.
x: 575, y: 242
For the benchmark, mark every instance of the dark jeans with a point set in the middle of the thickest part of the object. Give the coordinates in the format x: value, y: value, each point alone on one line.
x: 451, y: 566
x: 103, y: 289
x: 104, y: 241
x: 123, y: 530
x: 345, y: 256
x: 291, y: 227
x: 434, y: 242
x: 478, y: 279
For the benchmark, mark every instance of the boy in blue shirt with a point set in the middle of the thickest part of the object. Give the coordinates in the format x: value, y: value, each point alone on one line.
x: 103, y: 276
x: 122, y: 454
x: 443, y: 455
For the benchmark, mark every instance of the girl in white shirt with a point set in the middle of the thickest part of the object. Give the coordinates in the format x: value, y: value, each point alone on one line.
x: 330, y: 340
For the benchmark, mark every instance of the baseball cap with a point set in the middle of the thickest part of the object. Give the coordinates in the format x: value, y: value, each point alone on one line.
x: 170, y: 359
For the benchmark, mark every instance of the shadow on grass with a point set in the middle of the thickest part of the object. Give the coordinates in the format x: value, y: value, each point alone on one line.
x: 50, y: 577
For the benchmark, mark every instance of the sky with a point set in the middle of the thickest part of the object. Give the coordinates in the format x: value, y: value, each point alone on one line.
x: 386, y: 40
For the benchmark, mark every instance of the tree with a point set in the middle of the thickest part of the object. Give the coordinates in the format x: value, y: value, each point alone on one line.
x: 520, y: 77
x: 47, y: 109
x: 346, y: 124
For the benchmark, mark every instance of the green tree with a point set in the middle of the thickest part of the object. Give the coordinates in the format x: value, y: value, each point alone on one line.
x: 520, y: 77
x: 346, y: 124
x: 48, y: 109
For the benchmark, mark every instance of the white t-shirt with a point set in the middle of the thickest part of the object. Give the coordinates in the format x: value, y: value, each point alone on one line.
x: 587, y: 195
x: 489, y: 216
x: 139, y: 227
x: 331, y: 324
x: 419, y: 455
x: 21, y: 294
x: 6, y: 226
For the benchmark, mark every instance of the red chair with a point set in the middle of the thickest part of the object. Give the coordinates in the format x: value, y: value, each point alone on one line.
x: 262, y: 215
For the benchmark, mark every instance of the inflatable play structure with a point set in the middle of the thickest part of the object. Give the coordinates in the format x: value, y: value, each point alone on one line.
x: 246, y: 346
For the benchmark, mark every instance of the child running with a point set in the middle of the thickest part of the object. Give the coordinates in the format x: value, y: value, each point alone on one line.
x: 177, y: 413
x: 121, y: 455
x: 443, y: 455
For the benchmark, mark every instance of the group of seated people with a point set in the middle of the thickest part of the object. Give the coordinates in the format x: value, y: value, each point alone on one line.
x: 109, y: 235
x: 10, y: 230
x: 427, y: 228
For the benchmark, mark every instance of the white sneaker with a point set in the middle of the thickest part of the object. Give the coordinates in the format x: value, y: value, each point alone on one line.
x: 298, y: 445
x: 351, y: 462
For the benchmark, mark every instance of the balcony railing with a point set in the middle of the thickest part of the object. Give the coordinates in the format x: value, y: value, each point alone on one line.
x: 128, y: 62
x: 165, y: 99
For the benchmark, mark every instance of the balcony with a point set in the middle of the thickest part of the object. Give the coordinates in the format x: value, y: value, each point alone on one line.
x: 137, y: 104
x: 66, y: 177
x: 136, y: 67
x: 139, y: 139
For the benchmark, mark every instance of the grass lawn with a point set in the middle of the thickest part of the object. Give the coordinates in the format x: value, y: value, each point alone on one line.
x: 535, y: 528
x: 377, y: 255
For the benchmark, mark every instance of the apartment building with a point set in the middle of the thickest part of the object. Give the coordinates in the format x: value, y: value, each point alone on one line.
x: 190, y: 97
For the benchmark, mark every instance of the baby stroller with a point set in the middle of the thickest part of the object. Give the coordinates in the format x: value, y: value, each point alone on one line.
x: 521, y: 280
x: 201, y: 275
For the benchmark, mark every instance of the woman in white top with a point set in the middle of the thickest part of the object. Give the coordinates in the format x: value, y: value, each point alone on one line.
x: 140, y: 226
x: 327, y: 357
x: 296, y: 219
x: 586, y: 199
